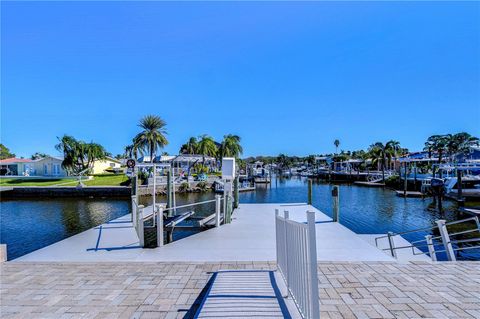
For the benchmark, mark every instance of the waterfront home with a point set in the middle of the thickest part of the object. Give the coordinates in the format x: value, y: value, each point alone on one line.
x: 15, y: 166
x: 108, y: 164
x: 48, y: 166
x: 183, y: 163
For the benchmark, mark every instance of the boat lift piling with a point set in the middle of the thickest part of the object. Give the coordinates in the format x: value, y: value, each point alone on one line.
x: 336, y: 203
x: 310, y: 191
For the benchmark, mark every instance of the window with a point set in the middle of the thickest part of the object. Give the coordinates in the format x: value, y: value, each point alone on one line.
x: 45, y: 169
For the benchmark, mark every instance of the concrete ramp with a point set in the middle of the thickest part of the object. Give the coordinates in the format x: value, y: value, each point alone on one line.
x: 243, y: 294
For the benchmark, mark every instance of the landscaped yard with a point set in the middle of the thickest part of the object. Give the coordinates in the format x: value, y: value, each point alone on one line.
x: 107, y: 180
x: 98, y: 180
x: 34, y: 182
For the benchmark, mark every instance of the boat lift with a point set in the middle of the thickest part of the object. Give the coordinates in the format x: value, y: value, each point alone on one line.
x: 163, y: 216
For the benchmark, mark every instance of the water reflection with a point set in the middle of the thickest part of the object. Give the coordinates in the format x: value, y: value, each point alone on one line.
x: 30, y: 224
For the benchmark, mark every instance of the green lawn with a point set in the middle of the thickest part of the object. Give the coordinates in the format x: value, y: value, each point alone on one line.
x: 107, y: 180
x: 98, y: 180
x: 33, y: 182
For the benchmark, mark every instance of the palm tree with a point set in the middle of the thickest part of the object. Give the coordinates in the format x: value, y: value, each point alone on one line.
x: 393, y: 149
x: 190, y: 147
x: 337, y: 144
x: 438, y: 144
x: 460, y: 143
x: 153, y: 135
x: 78, y: 155
x: 230, y: 146
x: 207, y: 147
x: 379, y: 152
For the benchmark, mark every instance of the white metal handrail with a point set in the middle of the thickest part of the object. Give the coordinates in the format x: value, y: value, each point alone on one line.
x: 297, y: 261
x: 444, y: 237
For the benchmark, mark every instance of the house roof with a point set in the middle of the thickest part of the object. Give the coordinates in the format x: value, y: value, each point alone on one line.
x: 48, y: 156
x: 14, y: 160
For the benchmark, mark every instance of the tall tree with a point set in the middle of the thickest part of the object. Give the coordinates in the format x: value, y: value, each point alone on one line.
x: 207, y: 147
x: 78, y: 155
x: 337, y: 144
x: 230, y: 146
x: 437, y: 144
x: 460, y: 143
x: 380, y: 153
x: 393, y: 150
x: 190, y: 147
x: 38, y: 155
x: 5, y: 152
x: 152, y: 136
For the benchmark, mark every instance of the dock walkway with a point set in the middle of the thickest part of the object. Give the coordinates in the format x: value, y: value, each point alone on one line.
x: 250, y: 237
x: 245, y: 293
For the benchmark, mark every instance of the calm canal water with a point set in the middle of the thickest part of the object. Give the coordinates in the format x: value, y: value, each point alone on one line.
x: 30, y: 224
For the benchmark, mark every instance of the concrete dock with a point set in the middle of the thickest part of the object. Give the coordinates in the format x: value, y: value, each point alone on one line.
x: 250, y: 237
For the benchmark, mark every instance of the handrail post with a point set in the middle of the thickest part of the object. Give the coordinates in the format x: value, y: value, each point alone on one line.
x: 446, y: 240
x: 391, y: 243
x: 218, y: 203
x: 286, y: 215
x: 431, y: 247
x: 140, y: 225
x: 160, y: 226
x: 312, y: 252
x: 478, y: 222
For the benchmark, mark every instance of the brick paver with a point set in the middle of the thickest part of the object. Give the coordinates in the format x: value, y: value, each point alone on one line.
x: 170, y: 290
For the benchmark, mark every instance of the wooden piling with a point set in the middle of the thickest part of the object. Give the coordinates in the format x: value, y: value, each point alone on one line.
x: 336, y: 203
x: 236, y: 192
x: 169, y: 193
x: 309, y: 192
x: 459, y: 187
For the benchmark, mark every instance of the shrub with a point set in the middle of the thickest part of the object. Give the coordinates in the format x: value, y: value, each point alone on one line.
x: 184, y: 187
x: 202, y: 186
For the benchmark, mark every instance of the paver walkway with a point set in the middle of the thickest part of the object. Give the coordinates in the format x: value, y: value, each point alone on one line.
x: 168, y: 290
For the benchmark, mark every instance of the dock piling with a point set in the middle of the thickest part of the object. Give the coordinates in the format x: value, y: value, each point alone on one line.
x: 336, y: 203
x: 460, y: 188
x: 309, y: 192
x: 236, y: 191
x: 169, y: 193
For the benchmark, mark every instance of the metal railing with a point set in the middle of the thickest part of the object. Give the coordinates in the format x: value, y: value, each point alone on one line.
x: 297, y: 261
x: 430, y: 241
x: 137, y: 220
x: 156, y: 214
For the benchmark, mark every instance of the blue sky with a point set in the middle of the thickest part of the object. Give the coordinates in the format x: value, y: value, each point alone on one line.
x: 287, y: 77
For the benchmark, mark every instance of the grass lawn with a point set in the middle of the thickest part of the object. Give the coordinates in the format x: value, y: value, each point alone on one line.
x: 98, y: 180
x: 33, y: 182
x: 107, y: 180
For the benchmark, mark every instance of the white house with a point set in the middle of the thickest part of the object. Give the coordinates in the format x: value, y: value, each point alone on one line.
x: 49, y: 166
